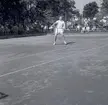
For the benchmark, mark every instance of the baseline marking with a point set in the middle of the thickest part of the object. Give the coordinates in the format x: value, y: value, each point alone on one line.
x: 17, y: 58
x: 30, y: 67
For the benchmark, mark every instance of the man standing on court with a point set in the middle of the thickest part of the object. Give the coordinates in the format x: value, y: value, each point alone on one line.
x: 59, y: 29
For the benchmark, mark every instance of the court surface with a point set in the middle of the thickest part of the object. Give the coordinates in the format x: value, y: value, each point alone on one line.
x: 34, y: 72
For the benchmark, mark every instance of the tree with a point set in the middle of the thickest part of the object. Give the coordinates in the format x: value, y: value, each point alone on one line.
x: 104, y: 7
x: 30, y: 12
x: 67, y: 8
x: 41, y: 10
x: 105, y: 4
x: 11, y: 9
x: 48, y: 10
x: 90, y: 10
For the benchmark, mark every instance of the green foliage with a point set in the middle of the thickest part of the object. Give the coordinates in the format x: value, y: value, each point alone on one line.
x: 53, y: 8
x: 104, y: 7
x: 103, y: 10
x: 11, y: 9
x: 90, y: 10
x: 1, y: 30
x: 20, y: 29
x: 22, y: 13
x: 41, y: 10
x: 6, y: 30
x: 14, y: 29
x: 105, y: 4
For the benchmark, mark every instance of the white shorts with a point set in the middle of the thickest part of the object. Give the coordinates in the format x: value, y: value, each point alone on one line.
x: 59, y: 31
x: 88, y: 28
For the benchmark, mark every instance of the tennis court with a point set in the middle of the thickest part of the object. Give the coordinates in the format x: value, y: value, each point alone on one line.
x: 34, y: 72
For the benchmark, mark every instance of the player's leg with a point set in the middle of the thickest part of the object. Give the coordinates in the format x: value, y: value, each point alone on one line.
x: 83, y: 30
x: 88, y: 29
x: 55, y: 36
x: 62, y: 33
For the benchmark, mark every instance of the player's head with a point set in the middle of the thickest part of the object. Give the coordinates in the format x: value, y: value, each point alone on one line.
x: 60, y: 18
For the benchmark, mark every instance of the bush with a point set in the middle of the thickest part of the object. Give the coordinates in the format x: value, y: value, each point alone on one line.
x: 21, y: 29
x: 34, y: 28
x: 6, y: 30
x: 1, y: 30
x: 14, y: 29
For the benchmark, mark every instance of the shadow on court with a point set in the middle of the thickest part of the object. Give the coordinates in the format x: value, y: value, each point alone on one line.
x: 3, y: 95
x: 70, y: 43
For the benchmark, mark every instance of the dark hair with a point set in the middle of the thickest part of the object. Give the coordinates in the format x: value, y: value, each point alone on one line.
x: 61, y: 17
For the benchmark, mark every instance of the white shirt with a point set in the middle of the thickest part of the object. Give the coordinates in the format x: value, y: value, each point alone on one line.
x: 60, y: 24
x: 104, y: 21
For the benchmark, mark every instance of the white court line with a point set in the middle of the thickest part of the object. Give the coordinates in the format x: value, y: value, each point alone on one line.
x: 30, y: 67
x: 17, y: 58
x: 88, y: 35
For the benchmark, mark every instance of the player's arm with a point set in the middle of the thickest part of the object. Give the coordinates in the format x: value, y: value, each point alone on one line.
x: 64, y: 26
x: 53, y: 25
